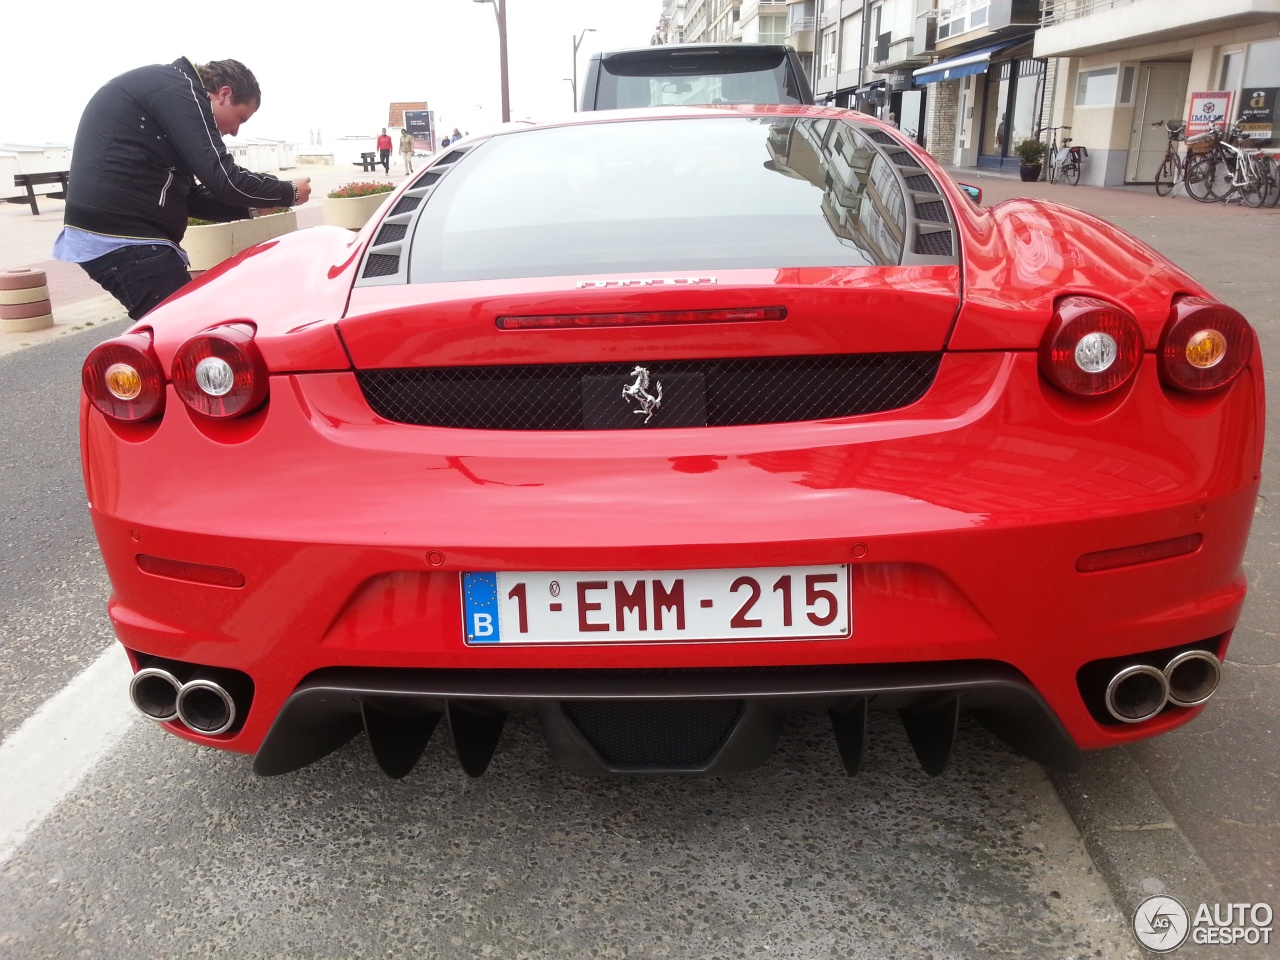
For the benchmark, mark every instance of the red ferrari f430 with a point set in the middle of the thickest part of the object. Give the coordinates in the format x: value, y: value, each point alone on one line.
x: 661, y: 425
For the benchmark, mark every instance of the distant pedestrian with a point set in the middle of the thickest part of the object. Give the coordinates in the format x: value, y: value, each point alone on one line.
x: 148, y: 155
x: 384, y: 150
x: 406, y: 151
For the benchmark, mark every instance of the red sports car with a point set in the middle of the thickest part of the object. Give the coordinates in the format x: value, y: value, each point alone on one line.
x: 662, y: 425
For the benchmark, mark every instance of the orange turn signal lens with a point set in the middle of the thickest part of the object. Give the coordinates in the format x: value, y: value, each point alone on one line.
x: 1204, y: 346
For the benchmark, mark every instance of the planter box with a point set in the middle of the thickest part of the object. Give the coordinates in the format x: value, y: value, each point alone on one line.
x: 351, y: 212
x: 209, y: 245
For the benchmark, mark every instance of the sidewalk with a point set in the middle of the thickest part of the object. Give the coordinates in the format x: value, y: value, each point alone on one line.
x: 27, y: 241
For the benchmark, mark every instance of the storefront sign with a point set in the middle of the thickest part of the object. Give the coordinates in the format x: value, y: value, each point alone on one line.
x: 1258, y: 112
x: 1207, y: 108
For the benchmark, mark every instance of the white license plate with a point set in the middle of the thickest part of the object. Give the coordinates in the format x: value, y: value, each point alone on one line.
x: 657, y: 606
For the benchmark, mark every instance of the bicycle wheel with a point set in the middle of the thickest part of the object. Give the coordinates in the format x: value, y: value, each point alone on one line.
x: 1166, y: 177
x: 1071, y: 172
x: 1253, y: 188
x: 1271, y: 171
x: 1206, y: 178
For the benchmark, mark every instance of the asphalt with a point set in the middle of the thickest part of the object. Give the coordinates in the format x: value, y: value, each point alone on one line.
x: 1195, y: 813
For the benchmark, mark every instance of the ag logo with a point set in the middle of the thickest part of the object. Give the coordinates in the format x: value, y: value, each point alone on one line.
x: 1161, y: 924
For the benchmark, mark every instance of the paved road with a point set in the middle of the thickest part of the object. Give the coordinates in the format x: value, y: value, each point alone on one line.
x: 165, y: 849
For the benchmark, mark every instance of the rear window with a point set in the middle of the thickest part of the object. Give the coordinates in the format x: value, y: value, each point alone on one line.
x: 695, y: 78
x: 682, y: 195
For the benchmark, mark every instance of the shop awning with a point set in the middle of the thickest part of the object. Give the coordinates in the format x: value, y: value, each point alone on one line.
x: 964, y: 65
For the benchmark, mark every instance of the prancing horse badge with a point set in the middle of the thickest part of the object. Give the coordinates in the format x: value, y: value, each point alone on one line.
x: 638, y: 391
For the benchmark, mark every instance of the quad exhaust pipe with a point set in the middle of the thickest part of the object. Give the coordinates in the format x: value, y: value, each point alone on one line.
x: 1140, y: 691
x: 207, y: 701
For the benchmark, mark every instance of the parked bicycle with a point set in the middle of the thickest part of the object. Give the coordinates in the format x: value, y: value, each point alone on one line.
x: 1220, y: 170
x: 1172, y: 170
x: 1065, y: 161
x: 1053, y: 148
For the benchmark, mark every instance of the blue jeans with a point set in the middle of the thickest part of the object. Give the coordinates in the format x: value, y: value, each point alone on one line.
x: 139, y: 275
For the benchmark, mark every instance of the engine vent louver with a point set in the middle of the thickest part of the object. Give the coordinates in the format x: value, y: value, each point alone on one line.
x: 391, y: 232
x: 922, y: 184
x: 934, y: 210
x: 879, y: 136
x: 381, y: 265
x: 406, y: 204
x: 935, y: 244
x: 588, y: 396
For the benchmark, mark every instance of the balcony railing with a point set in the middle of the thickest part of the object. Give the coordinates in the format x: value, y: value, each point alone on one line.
x: 1060, y: 11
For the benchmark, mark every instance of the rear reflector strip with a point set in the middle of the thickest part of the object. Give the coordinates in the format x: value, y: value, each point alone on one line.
x: 731, y: 315
x: 195, y: 572
x: 1142, y: 553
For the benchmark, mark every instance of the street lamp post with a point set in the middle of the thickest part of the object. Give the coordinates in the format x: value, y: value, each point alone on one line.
x: 577, y: 42
x: 500, y: 12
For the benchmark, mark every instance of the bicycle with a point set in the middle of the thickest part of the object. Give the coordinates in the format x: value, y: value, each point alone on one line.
x: 1053, y: 149
x: 1172, y: 170
x: 1066, y: 163
x: 1225, y: 171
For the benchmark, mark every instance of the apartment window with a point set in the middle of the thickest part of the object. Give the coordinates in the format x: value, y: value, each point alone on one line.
x: 958, y: 16
x: 1096, y: 88
x: 828, y: 54
x: 1127, y: 84
x: 1263, y: 68
x: 1232, y: 67
x: 773, y: 28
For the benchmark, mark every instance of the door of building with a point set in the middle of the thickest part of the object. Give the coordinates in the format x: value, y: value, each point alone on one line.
x: 1162, y: 95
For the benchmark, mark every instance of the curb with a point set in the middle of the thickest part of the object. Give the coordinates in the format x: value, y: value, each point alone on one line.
x: 1135, y: 843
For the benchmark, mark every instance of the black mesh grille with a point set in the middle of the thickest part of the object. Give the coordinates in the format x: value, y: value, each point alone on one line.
x: 669, y: 734
x: 901, y: 158
x: 381, y: 265
x: 879, y: 136
x: 405, y: 204
x: 694, y: 392
x: 937, y: 244
x: 932, y: 210
x: 922, y: 184
x: 391, y: 232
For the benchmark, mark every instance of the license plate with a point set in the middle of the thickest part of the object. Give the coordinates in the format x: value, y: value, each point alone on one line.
x: 657, y: 606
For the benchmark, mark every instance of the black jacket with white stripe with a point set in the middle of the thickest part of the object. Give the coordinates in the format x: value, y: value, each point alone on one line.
x: 144, y: 141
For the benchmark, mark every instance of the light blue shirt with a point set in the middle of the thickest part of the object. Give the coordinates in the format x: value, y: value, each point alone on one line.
x: 80, y: 246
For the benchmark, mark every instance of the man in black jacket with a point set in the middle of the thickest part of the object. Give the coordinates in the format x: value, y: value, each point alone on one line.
x: 149, y: 154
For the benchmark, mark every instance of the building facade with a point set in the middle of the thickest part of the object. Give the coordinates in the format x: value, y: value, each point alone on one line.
x: 1127, y: 66
x: 971, y: 79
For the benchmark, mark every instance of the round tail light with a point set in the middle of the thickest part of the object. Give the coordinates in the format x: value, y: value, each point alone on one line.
x: 1204, y: 346
x: 221, y: 373
x: 123, y: 379
x: 1090, y: 347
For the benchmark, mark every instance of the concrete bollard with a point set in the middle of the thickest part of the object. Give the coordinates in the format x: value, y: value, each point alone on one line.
x: 24, y: 300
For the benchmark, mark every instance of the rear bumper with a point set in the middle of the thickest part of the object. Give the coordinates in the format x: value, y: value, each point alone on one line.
x: 962, y: 517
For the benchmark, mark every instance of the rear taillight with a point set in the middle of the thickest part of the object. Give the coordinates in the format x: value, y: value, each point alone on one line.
x: 1091, y: 347
x: 1204, y: 346
x: 123, y: 379
x: 221, y: 373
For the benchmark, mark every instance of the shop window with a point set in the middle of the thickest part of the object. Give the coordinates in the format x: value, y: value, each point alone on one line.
x: 1096, y: 88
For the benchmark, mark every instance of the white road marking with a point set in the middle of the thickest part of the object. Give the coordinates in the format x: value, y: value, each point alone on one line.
x: 43, y: 760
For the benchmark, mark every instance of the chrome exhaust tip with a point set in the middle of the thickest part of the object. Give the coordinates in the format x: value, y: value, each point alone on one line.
x: 154, y: 693
x: 1193, y: 676
x: 1137, y: 693
x: 205, y: 706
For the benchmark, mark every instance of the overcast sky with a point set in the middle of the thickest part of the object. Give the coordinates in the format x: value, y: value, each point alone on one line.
x: 331, y: 71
